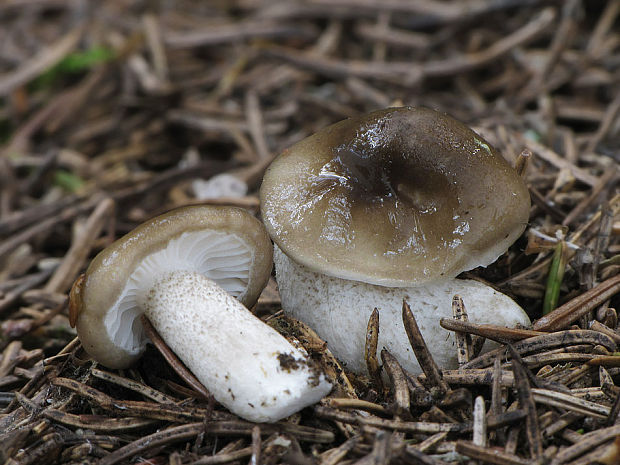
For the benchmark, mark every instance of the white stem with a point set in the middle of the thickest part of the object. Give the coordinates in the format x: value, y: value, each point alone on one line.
x: 248, y: 367
x: 338, y: 310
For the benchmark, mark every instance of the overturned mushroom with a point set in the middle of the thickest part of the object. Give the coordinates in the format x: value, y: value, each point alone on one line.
x: 371, y: 208
x: 182, y: 270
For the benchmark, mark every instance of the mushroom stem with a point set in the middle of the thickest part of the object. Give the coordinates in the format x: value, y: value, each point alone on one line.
x: 247, y: 366
x: 337, y: 309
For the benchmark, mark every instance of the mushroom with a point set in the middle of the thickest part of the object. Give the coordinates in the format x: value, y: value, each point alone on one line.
x: 391, y: 205
x: 183, y: 270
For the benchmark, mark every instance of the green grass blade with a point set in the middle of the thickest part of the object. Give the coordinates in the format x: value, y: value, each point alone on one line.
x: 555, y: 277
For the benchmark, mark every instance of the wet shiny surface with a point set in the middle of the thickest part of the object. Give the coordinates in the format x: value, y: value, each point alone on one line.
x: 399, y: 197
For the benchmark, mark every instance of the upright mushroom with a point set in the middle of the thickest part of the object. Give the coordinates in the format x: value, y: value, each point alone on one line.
x: 368, y: 210
x: 182, y: 270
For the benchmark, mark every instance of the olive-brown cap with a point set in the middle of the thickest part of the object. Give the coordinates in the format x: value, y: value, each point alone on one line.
x: 397, y: 197
x: 225, y: 244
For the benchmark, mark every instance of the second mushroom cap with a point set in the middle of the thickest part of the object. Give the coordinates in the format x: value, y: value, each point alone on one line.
x: 397, y: 197
x: 224, y: 244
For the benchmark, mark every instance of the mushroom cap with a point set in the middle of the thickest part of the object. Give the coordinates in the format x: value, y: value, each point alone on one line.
x: 396, y: 197
x: 225, y: 244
